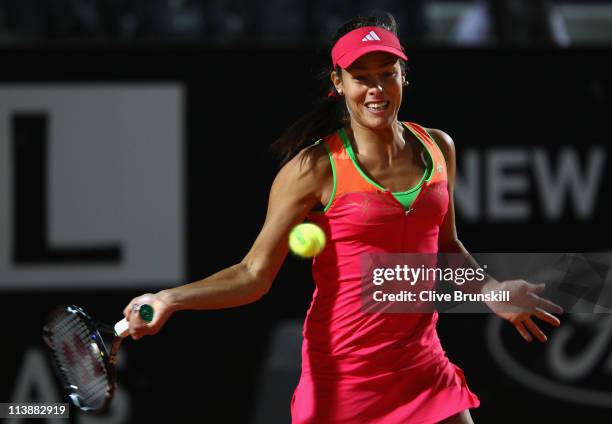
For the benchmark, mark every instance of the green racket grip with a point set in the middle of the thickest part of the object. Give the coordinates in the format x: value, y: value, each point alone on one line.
x: 146, y: 312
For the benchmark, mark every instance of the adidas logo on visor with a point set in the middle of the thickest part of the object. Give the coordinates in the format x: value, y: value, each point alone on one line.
x: 371, y: 37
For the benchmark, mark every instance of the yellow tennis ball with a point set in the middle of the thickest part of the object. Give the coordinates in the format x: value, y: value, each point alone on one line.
x: 306, y: 240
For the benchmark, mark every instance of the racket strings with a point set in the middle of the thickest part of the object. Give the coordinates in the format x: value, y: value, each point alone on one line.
x: 90, y: 382
x: 79, y: 358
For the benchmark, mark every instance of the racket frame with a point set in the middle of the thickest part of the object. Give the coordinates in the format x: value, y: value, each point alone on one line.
x: 109, y: 358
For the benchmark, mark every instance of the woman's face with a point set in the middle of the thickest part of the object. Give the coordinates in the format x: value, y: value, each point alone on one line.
x: 372, y: 88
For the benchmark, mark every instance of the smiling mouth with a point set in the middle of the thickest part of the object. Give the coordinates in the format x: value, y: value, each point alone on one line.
x: 378, y: 106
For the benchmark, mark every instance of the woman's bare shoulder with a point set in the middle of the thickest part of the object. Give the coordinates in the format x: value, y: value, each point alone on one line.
x: 306, y: 175
x: 312, y: 162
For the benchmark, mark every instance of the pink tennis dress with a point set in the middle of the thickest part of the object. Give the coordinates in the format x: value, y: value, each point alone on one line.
x: 374, y: 368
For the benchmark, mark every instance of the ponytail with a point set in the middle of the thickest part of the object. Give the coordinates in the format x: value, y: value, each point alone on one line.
x: 327, y: 116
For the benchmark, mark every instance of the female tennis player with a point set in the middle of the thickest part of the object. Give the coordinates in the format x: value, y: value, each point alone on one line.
x: 373, y: 184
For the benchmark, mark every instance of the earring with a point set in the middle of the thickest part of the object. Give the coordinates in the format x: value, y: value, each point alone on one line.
x: 405, y: 83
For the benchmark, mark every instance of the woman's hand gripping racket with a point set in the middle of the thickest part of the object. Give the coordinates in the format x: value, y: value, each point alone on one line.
x: 81, y: 359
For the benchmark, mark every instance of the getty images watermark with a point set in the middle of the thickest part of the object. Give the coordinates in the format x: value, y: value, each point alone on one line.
x: 407, y: 275
x: 418, y: 283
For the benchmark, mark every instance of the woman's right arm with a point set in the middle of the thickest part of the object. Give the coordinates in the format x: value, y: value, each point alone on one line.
x: 295, y: 191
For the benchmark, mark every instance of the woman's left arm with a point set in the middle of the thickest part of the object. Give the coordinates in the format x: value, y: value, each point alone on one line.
x: 524, y: 300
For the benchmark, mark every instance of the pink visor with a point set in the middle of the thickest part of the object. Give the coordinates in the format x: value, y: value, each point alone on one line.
x: 360, y: 41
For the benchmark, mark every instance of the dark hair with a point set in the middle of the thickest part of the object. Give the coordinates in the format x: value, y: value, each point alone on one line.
x: 330, y: 111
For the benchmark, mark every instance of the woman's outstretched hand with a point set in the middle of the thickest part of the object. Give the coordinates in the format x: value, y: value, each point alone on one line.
x: 525, y: 303
x: 161, y: 308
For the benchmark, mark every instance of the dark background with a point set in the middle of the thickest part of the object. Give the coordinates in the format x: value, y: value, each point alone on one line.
x: 209, y: 366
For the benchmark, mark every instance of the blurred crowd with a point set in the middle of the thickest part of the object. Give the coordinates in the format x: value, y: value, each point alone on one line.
x: 484, y: 22
x: 205, y: 20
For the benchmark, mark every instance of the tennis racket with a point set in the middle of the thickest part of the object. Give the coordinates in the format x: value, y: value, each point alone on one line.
x: 83, y: 363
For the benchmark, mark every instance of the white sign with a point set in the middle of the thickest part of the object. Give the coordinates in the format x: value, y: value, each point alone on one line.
x: 110, y: 165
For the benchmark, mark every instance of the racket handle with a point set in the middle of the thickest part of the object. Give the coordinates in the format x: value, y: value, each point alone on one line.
x: 122, y: 328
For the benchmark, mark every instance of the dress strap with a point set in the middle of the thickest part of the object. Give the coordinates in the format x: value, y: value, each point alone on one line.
x: 439, y: 162
x: 348, y: 178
